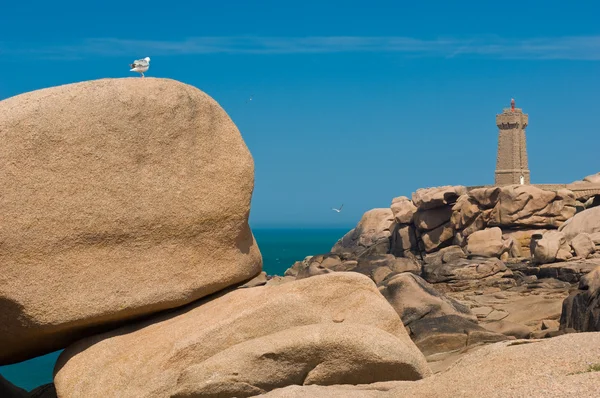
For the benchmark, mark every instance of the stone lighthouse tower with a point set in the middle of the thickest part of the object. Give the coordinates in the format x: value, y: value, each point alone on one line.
x: 511, y: 163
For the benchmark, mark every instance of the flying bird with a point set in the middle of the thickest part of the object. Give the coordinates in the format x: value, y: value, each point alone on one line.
x: 249, y: 99
x: 338, y: 210
x: 140, y: 65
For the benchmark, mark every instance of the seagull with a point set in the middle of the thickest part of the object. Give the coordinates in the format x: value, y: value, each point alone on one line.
x: 140, y: 65
x: 338, y: 210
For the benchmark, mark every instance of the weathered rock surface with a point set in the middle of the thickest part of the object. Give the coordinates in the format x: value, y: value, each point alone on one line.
x: 522, y: 239
x: 403, y: 210
x: 120, y: 198
x: 581, y: 310
x: 430, y: 198
x: 448, y: 334
x: 149, y: 359
x: 323, y: 354
x: 528, y: 206
x: 593, y: 178
x: 487, y: 243
x: 377, y: 267
x: 439, y: 325
x: 404, y: 240
x: 552, y: 247
x: 508, y: 328
x: 552, y: 368
x: 259, y: 280
x: 414, y: 299
x: 371, y: 235
x: 464, y: 270
x: 438, y: 237
x: 583, y: 245
x: 446, y: 255
x: 429, y: 219
x: 587, y: 221
x: 571, y: 271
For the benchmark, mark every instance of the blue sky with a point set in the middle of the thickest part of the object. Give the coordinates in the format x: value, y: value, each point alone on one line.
x: 354, y: 102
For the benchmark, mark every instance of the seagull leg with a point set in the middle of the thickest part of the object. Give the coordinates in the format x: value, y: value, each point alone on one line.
x: 142, y: 75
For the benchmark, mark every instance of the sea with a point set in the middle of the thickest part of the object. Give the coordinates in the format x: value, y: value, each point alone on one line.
x: 280, y: 248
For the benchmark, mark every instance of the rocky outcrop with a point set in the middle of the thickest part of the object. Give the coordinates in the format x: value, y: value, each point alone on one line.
x: 581, y: 310
x: 198, y: 350
x: 564, y: 366
x: 371, y: 235
x: 528, y: 206
x: 137, y: 200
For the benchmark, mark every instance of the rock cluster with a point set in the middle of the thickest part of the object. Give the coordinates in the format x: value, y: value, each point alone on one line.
x: 496, y: 263
x: 126, y: 242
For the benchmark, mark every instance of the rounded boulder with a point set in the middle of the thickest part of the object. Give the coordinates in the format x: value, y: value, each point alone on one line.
x: 120, y: 198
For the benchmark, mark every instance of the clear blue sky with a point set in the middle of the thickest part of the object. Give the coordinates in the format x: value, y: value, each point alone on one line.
x: 355, y: 102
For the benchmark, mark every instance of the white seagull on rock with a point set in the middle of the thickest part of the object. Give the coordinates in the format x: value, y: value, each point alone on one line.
x: 338, y: 210
x: 140, y: 65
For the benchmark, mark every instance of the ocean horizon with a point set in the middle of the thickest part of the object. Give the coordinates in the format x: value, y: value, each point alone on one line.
x: 280, y: 247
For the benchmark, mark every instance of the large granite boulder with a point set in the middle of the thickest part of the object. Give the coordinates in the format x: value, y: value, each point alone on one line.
x: 583, y: 245
x: 120, y: 198
x: 370, y: 236
x: 587, y: 221
x: 487, y: 243
x: 324, y: 354
x: 240, y: 329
